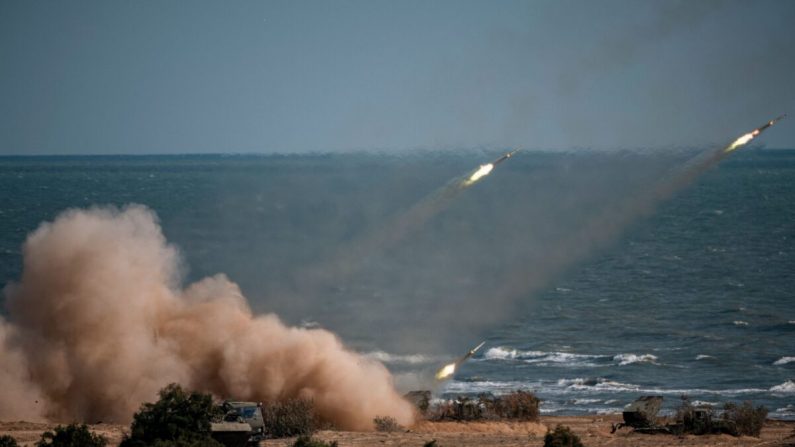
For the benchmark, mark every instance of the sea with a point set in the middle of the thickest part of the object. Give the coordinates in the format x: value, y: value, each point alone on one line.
x: 587, y: 288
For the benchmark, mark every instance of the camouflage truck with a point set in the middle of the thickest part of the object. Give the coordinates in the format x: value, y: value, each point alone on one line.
x: 641, y: 415
x: 242, y: 424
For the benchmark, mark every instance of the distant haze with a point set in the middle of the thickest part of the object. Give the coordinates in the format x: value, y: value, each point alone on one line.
x: 110, y: 77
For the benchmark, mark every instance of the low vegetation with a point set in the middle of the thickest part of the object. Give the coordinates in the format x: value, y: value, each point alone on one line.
x: 386, y: 424
x: 307, y: 441
x: 736, y: 419
x: 747, y: 420
x: 518, y: 405
x: 8, y: 441
x: 72, y: 435
x: 179, y: 418
x: 562, y: 436
x: 291, y: 418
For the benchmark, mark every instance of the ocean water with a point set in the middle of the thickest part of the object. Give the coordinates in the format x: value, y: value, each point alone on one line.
x: 693, y: 296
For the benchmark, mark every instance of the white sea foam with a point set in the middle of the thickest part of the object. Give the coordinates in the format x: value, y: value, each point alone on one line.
x: 784, y: 360
x: 605, y: 385
x: 703, y: 403
x: 487, y: 386
x: 740, y: 323
x: 500, y: 353
x: 704, y: 357
x: 580, y: 384
x: 784, y: 412
x: 628, y: 359
x: 608, y: 410
x: 786, y: 387
x: 543, y: 358
x: 411, y: 359
x: 585, y: 401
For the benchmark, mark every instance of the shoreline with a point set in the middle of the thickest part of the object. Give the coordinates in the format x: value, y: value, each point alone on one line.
x: 593, y: 430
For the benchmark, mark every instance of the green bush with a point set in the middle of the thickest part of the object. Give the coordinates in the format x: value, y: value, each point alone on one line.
x: 177, y: 419
x: 8, y: 441
x: 562, y: 436
x: 747, y: 419
x: 72, y: 435
x: 306, y: 441
x: 386, y: 424
x: 294, y: 417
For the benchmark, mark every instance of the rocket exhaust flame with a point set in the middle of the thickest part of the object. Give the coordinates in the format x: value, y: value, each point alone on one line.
x: 483, y: 171
x: 745, y: 139
x: 486, y: 169
x: 448, y: 370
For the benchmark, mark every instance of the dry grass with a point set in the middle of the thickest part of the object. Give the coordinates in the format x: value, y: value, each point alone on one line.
x: 291, y: 418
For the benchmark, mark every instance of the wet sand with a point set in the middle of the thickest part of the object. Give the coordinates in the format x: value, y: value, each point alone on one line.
x: 594, y: 431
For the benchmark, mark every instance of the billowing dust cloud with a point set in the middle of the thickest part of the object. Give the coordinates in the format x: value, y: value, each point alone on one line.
x: 99, y: 323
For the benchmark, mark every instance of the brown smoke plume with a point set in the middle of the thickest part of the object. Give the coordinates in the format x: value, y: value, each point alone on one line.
x: 99, y: 324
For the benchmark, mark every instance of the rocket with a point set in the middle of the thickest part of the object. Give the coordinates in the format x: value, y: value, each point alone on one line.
x: 475, y: 349
x: 448, y: 370
x: 745, y: 139
x: 500, y: 160
x: 484, y: 170
x: 771, y: 122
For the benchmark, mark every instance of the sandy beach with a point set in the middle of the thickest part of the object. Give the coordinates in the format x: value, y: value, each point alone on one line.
x: 594, y: 431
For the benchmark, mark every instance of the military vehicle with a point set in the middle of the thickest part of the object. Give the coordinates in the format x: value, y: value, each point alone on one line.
x: 231, y: 433
x: 641, y: 415
x: 242, y: 424
x: 701, y: 420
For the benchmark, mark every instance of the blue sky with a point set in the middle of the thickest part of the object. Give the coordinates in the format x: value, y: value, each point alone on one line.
x: 111, y: 77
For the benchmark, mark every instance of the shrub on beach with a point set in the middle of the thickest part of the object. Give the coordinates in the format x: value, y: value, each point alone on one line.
x: 460, y: 409
x: 562, y: 436
x: 747, y: 419
x: 518, y: 405
x: 522, y: 405
x: 73, y: 435
x: 386, y: 424
x: 8, y: 441
x: 306, y: 441
x: 294, y: 417
x: 178, y: 418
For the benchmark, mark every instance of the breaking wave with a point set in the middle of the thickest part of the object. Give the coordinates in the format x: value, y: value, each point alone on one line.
x: 628, y: 359
x: 543, y: 358
x: 596, y: 384
x: 786, y: 387
x: 556, y: 358
x: 784, y: 360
